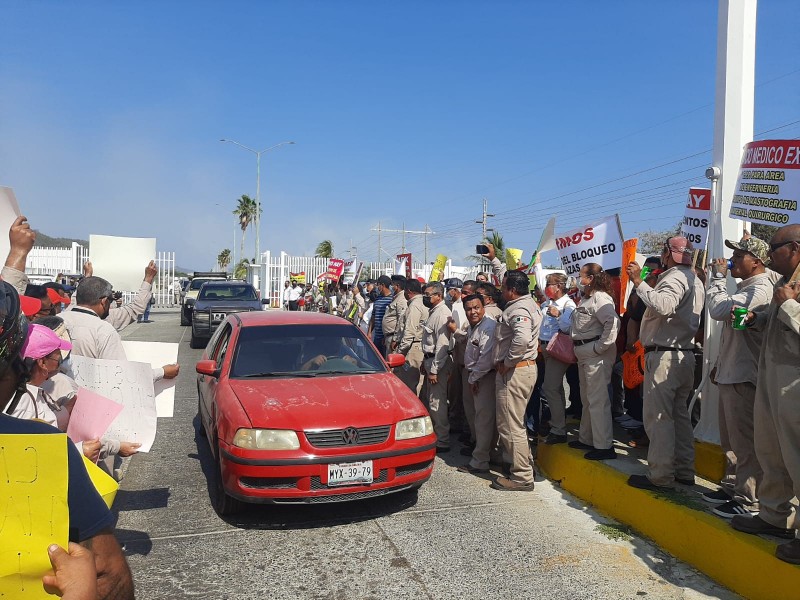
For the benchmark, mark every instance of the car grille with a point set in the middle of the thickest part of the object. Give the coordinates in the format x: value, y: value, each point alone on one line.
x: 343, y: 497
x: 413, y: 469
x: 335, y: 438
x: 316, y: 482
x: 269, y: 483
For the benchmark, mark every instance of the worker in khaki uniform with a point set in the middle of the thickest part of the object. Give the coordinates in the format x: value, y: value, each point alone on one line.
x: 488, y: 291
x: 516, y: 340
x: 394, y: 313
x: 777, y: 405
x: 410, y: 344
x: 736, y: 371
x: 667, y: 334
x: 480, y: 386
x: 437, y: 365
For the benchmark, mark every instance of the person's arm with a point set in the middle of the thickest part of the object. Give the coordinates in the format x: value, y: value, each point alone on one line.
x: 127, y: 313
x: 441, y: 351
x: 786, y: 297
x: 21, y: 238
x: 665, y: 300
x: 74, y: 574
x: 607, y: 315
x: 114, y: 580
x: 521, y: 326
x: 565, y: 318
x: 411, y: 329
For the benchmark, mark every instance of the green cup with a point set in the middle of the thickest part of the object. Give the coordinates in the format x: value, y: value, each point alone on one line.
x: 739, y: 315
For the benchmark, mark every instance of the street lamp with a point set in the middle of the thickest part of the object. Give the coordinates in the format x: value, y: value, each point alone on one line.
x: 258, y: 187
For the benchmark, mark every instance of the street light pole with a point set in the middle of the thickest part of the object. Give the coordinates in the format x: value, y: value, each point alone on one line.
x: 257, y: 219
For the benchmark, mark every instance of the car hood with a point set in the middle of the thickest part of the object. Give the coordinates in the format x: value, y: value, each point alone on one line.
x: 227, y: 306
x: 326, y: 402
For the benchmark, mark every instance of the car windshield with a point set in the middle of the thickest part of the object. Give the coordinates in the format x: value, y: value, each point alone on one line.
x: 196, y: 284
x: 304, y: 351
x: 228, y: 292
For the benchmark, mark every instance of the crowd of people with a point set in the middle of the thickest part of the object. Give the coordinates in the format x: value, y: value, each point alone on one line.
x: 489, y: 359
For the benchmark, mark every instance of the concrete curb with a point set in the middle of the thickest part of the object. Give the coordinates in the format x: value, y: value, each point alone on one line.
x: 709, y: 461
x: 744, y: 563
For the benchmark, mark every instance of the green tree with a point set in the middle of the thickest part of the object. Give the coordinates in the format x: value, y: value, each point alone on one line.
x: 246, y: 211
x: 324, y: 249
x: 240, y: 271
x: 495, y: 240
x: 763, y: 232
x: 224, y: 259
x: 651, y: 242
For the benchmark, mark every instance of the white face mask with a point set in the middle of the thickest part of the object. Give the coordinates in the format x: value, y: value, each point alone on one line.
x: 581, y: 286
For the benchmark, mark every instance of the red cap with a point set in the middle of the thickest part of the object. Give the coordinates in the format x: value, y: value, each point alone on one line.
x: 30, y: 306
x: 54, y: 296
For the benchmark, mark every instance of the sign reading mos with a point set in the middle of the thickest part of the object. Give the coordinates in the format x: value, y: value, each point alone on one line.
x: 768, y: 187
x: 599, y: 242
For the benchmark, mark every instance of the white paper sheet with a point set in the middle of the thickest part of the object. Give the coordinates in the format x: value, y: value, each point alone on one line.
x: 9, y: 211
x: 121, y: 260
x: 157, y: 354
x: 125, y: 382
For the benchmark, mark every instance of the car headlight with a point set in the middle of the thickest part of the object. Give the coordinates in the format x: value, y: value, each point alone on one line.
x: 266, y: 439
x: 201, y: 316
x: 413, y: 428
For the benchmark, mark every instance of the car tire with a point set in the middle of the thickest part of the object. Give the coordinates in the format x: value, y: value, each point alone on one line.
x: 184, y: 319
x: 224, y: 504
x: 195, y: 342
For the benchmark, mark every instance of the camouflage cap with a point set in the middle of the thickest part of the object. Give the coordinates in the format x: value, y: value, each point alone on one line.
x: 753, y: 245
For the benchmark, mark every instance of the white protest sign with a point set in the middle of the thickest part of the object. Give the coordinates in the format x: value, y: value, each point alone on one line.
x: 9, y: 211
x: 121, y: 260
x: 695, y: 220
x: 129, y: 384
x: 768, y: 187
x: 157, y: 354
x: 350, y: 271
x: 600, y: 242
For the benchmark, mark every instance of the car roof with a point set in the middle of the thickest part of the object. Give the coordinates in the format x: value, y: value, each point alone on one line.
x: 216, y: 282
x: 285, y: 317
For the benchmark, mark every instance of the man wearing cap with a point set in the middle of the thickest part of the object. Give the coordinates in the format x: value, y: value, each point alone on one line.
x: 437, y: 365
x: 516, y: 341
x: 736, y: 371
x: 379, y: 306
x: 122, y: 316
x: 394, y: 313
x: 777, y: 404
x: 410, y: 343
x: 667, y: 333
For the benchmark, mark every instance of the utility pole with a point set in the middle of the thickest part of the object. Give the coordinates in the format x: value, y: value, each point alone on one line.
x: 403, y: 231
x: 483, y: 219
x: 425, y: 237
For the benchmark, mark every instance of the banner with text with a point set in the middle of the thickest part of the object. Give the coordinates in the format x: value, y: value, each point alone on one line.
x: 405, y: 260
x: 437, y: 273
x: 298, y: 277
x: 599, y: 242
x: 768, y: 187
x: 695, y: 220
x: 335, y: 269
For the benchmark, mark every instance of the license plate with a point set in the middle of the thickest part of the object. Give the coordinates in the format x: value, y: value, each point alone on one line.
x: 349, y: 473
x: 218, y: 316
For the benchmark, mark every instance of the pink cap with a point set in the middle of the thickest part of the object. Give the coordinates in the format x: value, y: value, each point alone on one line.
x: 42, y: 341
x: 681, y: 250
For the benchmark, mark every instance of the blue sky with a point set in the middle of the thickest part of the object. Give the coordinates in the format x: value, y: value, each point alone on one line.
x: 402, y: 113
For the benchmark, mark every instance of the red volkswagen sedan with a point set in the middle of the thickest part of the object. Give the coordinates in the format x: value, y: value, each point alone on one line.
x: 300, y: 408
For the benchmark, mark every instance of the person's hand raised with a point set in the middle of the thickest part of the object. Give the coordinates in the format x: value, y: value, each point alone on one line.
x: 150, y: 271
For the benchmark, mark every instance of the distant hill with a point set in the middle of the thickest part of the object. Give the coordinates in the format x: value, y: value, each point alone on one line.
x: 46, y: 241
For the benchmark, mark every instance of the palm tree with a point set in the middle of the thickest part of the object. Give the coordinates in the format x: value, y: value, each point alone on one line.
x: 324, y: 249
x: 246, y: 211
x: 240, y: 271
x: 495, y: 240
x: 224, y: 259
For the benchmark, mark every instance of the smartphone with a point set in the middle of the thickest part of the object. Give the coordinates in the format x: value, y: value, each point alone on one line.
x: 481, y: 249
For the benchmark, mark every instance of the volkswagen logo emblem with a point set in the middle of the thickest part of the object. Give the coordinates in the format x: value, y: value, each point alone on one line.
x: 350, y: 436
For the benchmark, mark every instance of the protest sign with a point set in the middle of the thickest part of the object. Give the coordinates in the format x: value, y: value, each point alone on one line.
x: 121, y: 260
x: 768, y: 187
x: 513, y: 255
x: 405, y: 265
x: 157, y: 354
x: 599, y: 242
x: 352, y: 271
x: 437, y: 273
x: 298, y: 277
x: 105, y: 485
x: 34, y: 474
x: 695, y: 220
x: 335, y: 269
x: 9, y: 211
x: 628, y: 256
x: 127, y: 383
x: 91, y: 416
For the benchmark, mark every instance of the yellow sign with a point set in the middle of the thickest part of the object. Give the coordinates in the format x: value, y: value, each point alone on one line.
x: 34, y: 513
x: 512, y: 258
x: 105, y: 485
x: 298, y: 277
x: 437, y: 273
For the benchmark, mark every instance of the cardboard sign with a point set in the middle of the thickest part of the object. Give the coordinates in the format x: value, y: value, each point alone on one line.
x: 599, y: 242
x: 157, y: 354
x: 91, y: 416
x: 768, y: 187
x: 298, y: 277
x: 121, y: 260
x: 405, y: 260
x: 127, y: 383
x: 437, y: 273
x: 695, y: 220
x: 628, y: 256
x: 513, y: 255
x: 34, y: 474
x: 335, y: 269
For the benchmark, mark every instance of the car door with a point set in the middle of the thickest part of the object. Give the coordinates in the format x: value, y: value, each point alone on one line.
x: 207, y: 385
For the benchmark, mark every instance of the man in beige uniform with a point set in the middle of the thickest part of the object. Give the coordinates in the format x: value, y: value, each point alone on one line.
x: 487, y: 291
x: 394, y: 313
x: 516, y: 340
x: 737, y: 372
x: 667, y: 334
x: 410, y: 343
x: 777, y: 408
x: 437, y: 365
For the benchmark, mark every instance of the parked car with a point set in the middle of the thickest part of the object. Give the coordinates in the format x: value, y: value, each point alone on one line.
x: 190, y: 294
x: 300, y: 408
x: 215, y: 301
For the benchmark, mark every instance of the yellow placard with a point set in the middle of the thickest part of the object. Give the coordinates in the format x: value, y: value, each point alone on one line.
x: 105, y: 485
x: 437, y: 273
x: 34, y: 473
x: 513, y: 255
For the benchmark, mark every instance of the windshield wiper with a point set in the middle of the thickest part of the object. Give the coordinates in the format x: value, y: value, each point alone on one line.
x: 281, y: 374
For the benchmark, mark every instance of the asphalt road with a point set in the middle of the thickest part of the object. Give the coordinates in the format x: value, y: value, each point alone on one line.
x: 456, y: 539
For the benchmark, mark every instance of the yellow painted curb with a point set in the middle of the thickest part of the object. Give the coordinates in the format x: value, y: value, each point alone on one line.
x: 744, y: 563
x: 709, y: 461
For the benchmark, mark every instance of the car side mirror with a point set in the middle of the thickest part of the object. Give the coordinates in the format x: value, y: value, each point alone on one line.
x: 265, y: 301
x: 395, y: 360
x: 207, y: 367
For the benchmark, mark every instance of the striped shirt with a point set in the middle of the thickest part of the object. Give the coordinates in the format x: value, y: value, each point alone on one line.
x: 378, y: 310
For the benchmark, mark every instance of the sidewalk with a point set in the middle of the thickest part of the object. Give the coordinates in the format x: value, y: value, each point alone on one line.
x: 680, y: 522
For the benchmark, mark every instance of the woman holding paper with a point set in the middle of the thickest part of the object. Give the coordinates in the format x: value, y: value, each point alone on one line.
x: 595, y: 325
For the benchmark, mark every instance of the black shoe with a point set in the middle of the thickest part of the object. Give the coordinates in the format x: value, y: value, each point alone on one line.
x: 466, y: 451
x: 719, y: 496
x: 579, y: 445
x: 643, y: 483
x: 789, y: 552
x: 757, y: 526
x: 468, y: 468
x: 598, y: 454
x: 685, y: 481
x: 554, y: 439
x: 442, y: 449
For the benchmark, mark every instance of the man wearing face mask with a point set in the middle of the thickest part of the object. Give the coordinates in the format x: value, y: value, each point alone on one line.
x: 394, y: 313
x: 410, y: 343
x: 437, y: 365
x: 667, y: 334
